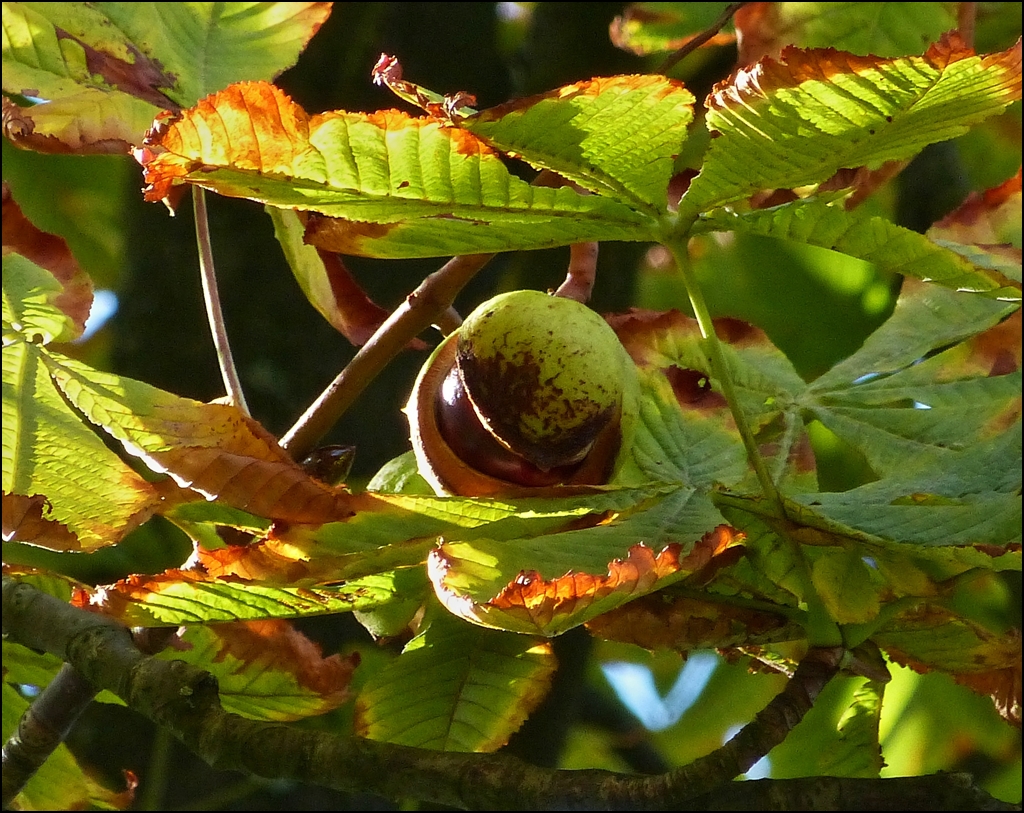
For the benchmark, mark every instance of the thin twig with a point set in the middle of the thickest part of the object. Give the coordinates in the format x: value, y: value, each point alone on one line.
x: 966, y: 16
x: 424, y: 306
x: 695, y: 43
x: 228, y: 371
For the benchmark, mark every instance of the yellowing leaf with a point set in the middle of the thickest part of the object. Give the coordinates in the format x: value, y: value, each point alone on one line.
x: 391, y: 185
x: 50, y: 455
x: 103, y: 72
x: 213, y: 449
x: 72, y: 295
x: 531, y: 603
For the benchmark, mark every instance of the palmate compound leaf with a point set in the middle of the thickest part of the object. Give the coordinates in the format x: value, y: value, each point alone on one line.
x: 795, y: 122
x: 456, y: 687
x: 382, y: 184
x: 105, y: 70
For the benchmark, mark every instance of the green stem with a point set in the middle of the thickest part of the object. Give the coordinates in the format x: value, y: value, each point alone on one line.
x: 720, y: 370
x: 228, y: 372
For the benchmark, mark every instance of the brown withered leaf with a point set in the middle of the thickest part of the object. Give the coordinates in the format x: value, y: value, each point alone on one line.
x: 275, y: 645
x: 234, y: 460
x: 933, y: 638
x: 51, y: 252
x: 24, y: 520
x: 213, y: 449
x: 682, y: 623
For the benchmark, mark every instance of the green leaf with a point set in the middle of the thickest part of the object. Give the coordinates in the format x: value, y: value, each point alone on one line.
x: 456, y: 687
x: 847, y: 585
x: 616, y: 136
x: 856, y: 751
x: 555, y: 582
x: 647, y: 28
x: 392, y: 185
x: 901, y: 403
x: 882, y: 29
x: 185, y: 597
x: 31, y: 309
x: 48, y: 451
x: 890, y: 247
x: 793, y: 123
x: 107, y: 69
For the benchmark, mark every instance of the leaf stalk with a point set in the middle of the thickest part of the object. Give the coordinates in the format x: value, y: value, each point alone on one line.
x: 211, y: 296
x: 720, y: 370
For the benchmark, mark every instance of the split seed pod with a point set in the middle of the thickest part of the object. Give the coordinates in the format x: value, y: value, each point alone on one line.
x: 527, y: 394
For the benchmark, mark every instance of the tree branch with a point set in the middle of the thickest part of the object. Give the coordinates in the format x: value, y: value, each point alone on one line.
x: 185, y: 700
x: 430, y: 301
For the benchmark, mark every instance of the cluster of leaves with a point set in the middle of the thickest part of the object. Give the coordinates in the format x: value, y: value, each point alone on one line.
x: 692, y: 546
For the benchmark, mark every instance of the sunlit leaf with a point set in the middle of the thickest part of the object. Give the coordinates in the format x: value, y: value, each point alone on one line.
x: 50, y: 454
x: 882, y: 29
x: 890, y: 247
x: 27, y: 293
x: 393, y: 185
x: 786, y: 124
x: 616, y: 136
x: 267, y: 670
x: 507, y: 587
x: 456, y: 687
x: 104, y: 71
x: 213, y: 449
x: 191, y: 597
